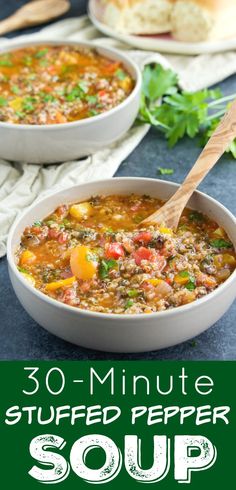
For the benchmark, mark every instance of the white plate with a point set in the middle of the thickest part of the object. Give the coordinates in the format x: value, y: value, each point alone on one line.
x: 160, y: 42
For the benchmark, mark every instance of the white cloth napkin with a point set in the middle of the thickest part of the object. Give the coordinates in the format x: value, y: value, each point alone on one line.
x: 22, y: 183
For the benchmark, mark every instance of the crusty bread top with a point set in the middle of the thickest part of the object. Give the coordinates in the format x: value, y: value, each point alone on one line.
x: 121, y: 4
x: 124, y: 4
x: 213, y: 5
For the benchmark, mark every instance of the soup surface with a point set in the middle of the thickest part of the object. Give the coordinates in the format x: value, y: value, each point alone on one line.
x: 59, y: 84
x: 92, y: 255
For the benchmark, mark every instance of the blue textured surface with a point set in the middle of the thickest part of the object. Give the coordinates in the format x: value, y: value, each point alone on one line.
x: 22, y: 338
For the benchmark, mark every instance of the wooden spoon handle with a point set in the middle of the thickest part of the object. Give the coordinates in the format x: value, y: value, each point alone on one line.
x: 219, y: 142
x: 12, y: 23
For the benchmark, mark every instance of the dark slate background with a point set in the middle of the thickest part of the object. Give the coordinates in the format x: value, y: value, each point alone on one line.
x: 22, y: 338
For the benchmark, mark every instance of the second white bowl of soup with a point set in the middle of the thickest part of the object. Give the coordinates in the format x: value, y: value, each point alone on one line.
x: 61, y: 100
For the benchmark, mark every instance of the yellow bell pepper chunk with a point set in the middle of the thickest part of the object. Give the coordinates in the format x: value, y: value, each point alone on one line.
x: 83, y: 263
x: 155, y: 282
x: 181, y: 279
x: 27, y: 257
x: 126, y: 84
x: 218, y: 261
x: 81, y: 211
x: 228, y: 259
x: 29, y: 278
x: 16, y: 103
x: 53, y: 286
x: 166, y: 231
x: 219, y: 232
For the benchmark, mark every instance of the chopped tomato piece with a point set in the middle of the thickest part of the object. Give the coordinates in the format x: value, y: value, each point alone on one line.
x: 111, y: 67
x: 143, y: 237
x: 142, y: 254
x: 114, y: 250
x: 101, y: 93
x: 53, y: 233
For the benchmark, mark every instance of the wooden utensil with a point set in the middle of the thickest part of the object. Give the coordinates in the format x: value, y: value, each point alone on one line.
x: 170, y: 213
x: 34, y: 13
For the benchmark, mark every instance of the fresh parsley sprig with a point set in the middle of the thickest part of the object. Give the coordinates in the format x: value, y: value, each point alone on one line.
x: 178, y: 113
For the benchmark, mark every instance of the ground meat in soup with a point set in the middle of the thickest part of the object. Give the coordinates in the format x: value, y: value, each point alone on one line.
x: 95, y: 256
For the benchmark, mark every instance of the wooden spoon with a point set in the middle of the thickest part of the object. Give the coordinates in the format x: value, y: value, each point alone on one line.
x: 34, y: 13
x: 170, y: 213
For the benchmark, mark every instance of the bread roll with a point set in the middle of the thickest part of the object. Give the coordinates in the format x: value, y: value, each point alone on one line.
x: 203, y: 20
x: 138, y: 16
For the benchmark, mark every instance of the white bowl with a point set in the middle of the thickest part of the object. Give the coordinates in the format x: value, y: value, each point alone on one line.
x: 112, y: 332
x: 51, y: 143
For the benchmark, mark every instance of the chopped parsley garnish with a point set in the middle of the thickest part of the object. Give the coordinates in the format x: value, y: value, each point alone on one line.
x: 133, y: 293
x: 76, y: 93
x: 50, y: 222
x: 28, y: 60
x: 129, y: 303
x: 22, y: 270
x: 191, y: 284
x: 41, y: 53
x: 3, y: 101
x: 48, y: 98
x: 220, y: 243
x: 196, y: 216
x: 93, y: 112
x: 20, y: 114
x: 184, y: 274
x: 6, y: 62
x: 165, y: 171
x: 28, y: 103
x: 67, y: 223
x: 92, y: 99
x: 15, y: 89
x: 44, y: 62
x: 121, y: 75
x: 83, y: 87
x: 105, y: 266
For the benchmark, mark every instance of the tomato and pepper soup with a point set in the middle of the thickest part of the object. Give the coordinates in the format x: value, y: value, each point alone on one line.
x: 59, y: 84
x: 95, y: 256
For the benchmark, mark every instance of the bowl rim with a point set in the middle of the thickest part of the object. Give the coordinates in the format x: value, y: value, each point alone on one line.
x: 116, y: 316
x: 126, y: 59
